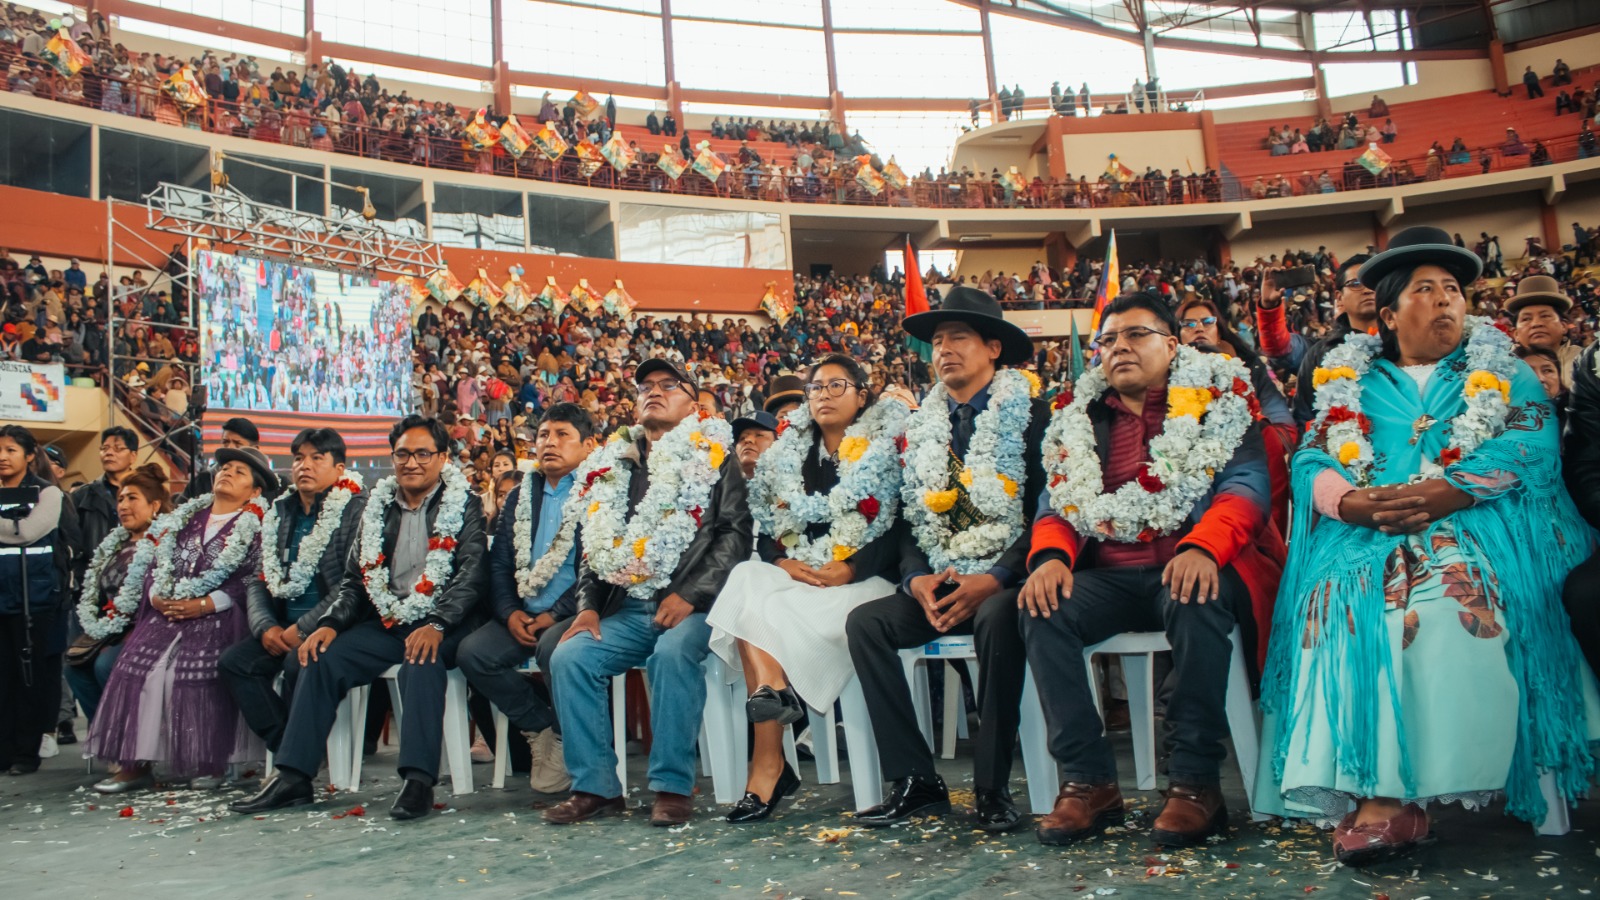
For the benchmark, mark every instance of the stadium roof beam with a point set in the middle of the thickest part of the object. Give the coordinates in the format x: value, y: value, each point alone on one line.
x: 228, y: 218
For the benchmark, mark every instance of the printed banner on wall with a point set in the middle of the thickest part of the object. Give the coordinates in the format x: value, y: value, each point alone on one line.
x: 32, y: 392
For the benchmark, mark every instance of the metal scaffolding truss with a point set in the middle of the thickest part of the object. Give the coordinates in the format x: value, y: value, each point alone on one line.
x: 226, y: 217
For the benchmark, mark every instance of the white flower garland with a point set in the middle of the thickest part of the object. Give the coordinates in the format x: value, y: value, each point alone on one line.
x: 309, y: 556
x: 869, y: 470
x: 533, y: 575
x: 116, y: 614
x: 995, y: 463
x: 234, y: 550
x: 641, y: 553
x: 1208, y: 413
x: 440, y: 561
x: 1342, y: 429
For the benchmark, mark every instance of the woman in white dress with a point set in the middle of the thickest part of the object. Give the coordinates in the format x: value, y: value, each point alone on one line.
x: 824, y: 497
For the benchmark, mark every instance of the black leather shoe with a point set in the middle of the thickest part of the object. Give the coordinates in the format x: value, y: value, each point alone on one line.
x: 277, y: 793
x: 768, y: 705
x: 996, y: 812
x: 414, y: 802
x: 66, y: 734
x: 754, y: 809
x: 914, y: 795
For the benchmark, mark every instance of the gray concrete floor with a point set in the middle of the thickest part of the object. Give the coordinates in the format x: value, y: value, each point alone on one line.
x: 57, y: 836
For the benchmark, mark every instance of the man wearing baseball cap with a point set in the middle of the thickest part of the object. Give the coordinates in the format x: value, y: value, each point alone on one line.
x: 752, y: 435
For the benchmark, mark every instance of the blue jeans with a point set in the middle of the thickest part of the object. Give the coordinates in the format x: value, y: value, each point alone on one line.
x: 580, y: 673
x: 89, y: 682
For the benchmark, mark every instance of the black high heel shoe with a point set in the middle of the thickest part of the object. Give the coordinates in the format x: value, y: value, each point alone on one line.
x: 769, y: 705
x: 754, y: 809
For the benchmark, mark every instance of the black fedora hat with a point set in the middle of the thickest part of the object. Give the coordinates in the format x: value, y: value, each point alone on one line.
x: 980, y: 310
x: 1423, y: 245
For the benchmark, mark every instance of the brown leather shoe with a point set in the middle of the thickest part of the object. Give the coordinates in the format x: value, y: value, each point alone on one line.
x: 580, y: 807
x: 1081, y: 810
x: 671, y: 809
x: 1358, y: 846
x: 1191, y: 814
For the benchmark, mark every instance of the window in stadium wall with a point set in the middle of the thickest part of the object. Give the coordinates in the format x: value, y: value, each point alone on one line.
x: 482, y: 218
x: 279, y: 188
x: 454, y: 30
x: 132, y: 165
x: 732, y: 240
x: 772, y: 12
x: 569, y: 227
x: 936, y: 15
x: 766, y: 60
x: 398, y: 201
x: 44, y: 154
x: 910, y: 65
x: 561, y: 38
x: 282, y: 16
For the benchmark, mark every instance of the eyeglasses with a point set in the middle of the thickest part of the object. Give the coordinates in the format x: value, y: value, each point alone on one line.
x: 421, y: 457
x: 1109, y: 339
x: 1202, y: 322
x: 834, y: 388
x: 664, y: 385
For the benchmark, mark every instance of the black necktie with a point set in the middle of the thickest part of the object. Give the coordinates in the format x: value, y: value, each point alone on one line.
x: 961, y: 429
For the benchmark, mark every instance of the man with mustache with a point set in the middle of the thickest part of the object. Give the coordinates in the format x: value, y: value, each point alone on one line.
x: 1539, y: 309
x: 529, y: 597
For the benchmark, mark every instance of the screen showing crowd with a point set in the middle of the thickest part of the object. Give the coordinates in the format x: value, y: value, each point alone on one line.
x: 278, y: 336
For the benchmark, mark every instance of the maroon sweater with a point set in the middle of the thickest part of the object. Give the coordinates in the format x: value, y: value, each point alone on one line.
x: 1130, y: 450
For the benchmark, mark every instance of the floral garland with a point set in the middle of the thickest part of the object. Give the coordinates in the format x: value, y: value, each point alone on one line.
x: 1342, y: 430
x: 234, y: 550
x: 439, y: 563
x: 533, y: 575
x: 641, y: 553
x: 102, y: 621
x: 1209, y: 409
x: 310, y: 553
x: 861, y: 507
x: 992, y: 477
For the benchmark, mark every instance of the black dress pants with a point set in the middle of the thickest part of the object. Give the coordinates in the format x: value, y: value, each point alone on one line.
x: 1581, y: 597
x: 490, y: 658
x: 879, y: 630
x: 28, y: 705
x: 249, y: 673
x: 1109, y: 602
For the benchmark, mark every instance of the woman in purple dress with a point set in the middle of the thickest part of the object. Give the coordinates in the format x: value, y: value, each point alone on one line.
x: 165, y: 702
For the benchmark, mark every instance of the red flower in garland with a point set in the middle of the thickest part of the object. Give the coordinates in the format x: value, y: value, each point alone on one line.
x: 783, y: 425
x: 441, y: 543
x: 589, y: 480
x: 1062, y: 400
x: 1216, y: 392
x: 1450, y: 456
x: 255, y: 510
x: 348, y: 485
x: 1057, y: 479
x: 1240, y: 387
x: 1339, y: 414
x: 1147, y: 535
x: 900, y: 444
x: 868, y: 506
x: 697, y: 512
x: 425, y: 587
x: 1149, y: 481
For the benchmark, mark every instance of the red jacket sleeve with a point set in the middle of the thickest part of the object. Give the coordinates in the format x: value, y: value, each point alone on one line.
x: 1274, y: 331
x: 1052, y: 532
x: 1223, y: 530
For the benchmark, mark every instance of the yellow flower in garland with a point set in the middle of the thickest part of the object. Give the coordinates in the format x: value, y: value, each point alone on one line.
x: 717, y: 455
x: 1484, y: 380
x: 1187, y: 401
x: 1034, y: 386
x: 1322, y: 376
x: 594, y: 507
x: 1349, y: 452
x: 940, y: 501
x: 842, y: 552
x: 966, y: 478
x: 638, y: 547
x: 1007, y: 482
x: 852, y: 448
x: 698, y: 438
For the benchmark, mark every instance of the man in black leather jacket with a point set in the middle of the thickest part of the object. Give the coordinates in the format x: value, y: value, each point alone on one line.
x: 355, y: 642
x: 280, y: 617
x: 1580, y: 464
x: 666, y: 633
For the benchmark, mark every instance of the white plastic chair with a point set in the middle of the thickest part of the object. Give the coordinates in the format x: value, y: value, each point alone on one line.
x: 457, y: 733
x: 1040, y: 767
x: 824, y: 735
x: 344, y: 745
x: 1137, y: 651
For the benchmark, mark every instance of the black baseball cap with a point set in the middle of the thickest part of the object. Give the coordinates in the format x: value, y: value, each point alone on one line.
x: 658, y: 364
x: 758, y: 419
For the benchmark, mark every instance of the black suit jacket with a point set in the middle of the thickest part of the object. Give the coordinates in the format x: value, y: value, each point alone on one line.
x: 456, y: 601
x: 267, y: 611
x: 722, y: 542
x: 1580, y: 445
x: 1015, y: 558
x: 877, y: 557
x: 503, y: 593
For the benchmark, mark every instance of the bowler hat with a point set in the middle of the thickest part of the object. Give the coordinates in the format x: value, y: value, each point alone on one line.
x: 982, y: 312
x: 1539, y: 289
x: 1422, y: 245
x: 260, y: 466
x: 784, y: 389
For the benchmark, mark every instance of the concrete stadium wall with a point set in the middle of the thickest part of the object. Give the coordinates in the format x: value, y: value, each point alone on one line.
x: 1345, y: 235
x: 1512, y: 217
x: 1086, y: 154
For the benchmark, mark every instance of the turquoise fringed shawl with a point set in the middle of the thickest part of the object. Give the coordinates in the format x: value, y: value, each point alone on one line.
x: 1524, y: 529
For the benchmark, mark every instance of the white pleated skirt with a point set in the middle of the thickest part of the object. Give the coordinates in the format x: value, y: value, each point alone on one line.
x: 800, y: 625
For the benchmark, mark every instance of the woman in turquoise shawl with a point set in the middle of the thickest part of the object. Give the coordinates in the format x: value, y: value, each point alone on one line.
x: 1419, y: 651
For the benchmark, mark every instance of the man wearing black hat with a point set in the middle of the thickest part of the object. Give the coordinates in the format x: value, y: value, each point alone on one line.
x: 752, y: 435
x: 412, y: 588
x: 962, y: 558
x: 1539, y: 310
x: 305, y: 539
x: 663, y: 629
